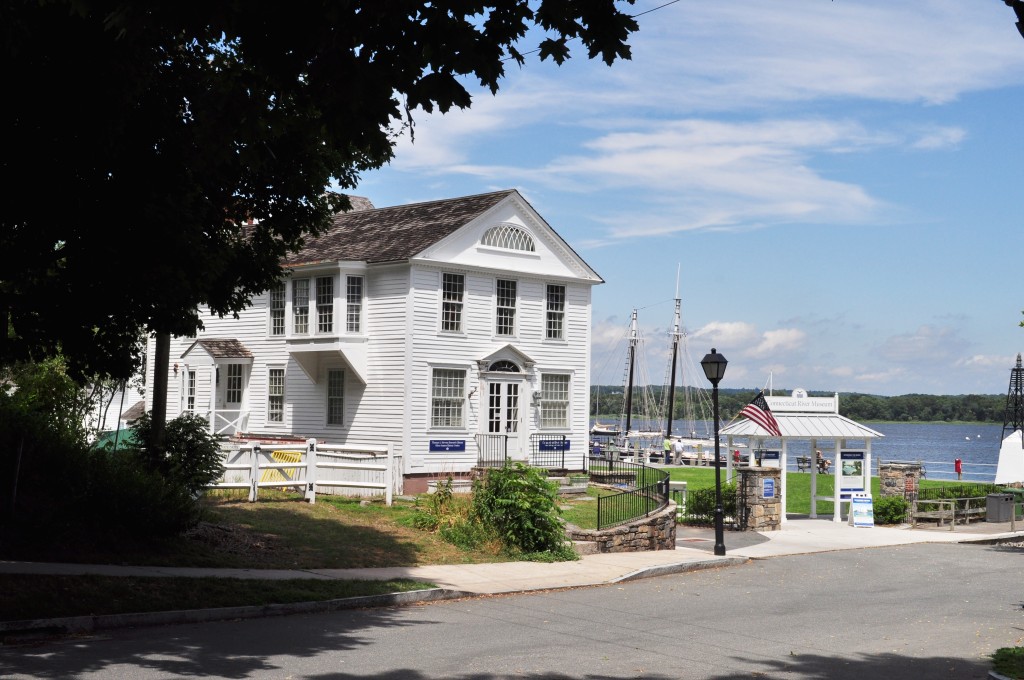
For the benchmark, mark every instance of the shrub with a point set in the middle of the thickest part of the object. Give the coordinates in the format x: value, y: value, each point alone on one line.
x: 891, y: 510
x: 700, y: 504
x: 520, y: 506
x: 192, y: 458
x: 1009, y: 662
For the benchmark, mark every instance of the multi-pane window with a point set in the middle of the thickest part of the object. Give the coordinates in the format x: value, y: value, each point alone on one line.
x: 233, y: 389
x: 447, y: 397
x: 554, y: 401
x: 452, y: 290
x: 505, y: 323
x: 190, y: 391
x: 300, y: 306
x: 325, y: 304
x: 277, y: 309
x: 354, y: 304
x: 336, y: 397
x: 554, y: 328
x: 275, y: 395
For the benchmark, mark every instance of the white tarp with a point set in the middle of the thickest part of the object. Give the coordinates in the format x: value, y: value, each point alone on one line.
x: 1011, y: 460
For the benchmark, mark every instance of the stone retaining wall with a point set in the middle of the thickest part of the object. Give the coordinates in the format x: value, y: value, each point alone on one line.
x: 654, y: 532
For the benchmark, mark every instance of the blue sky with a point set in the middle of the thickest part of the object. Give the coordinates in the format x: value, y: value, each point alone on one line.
x: 838, y: 182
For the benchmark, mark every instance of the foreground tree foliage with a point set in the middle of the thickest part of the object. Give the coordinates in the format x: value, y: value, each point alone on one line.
x: 57, y: 489
x: 163, y: 156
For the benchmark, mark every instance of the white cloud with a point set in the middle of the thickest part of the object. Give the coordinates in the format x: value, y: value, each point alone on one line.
x: 987, y: 361
x: 776, y: 341
x: 939, y: 138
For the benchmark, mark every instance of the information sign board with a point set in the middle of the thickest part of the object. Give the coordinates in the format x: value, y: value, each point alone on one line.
x: 862, y: 510
x: 447, y: 444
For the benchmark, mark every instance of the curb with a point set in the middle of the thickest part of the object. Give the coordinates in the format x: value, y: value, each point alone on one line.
x: 28, y: 629
x: 34, y: 628
x: 681, y: 567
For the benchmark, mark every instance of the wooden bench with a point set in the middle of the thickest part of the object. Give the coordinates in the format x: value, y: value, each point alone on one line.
x: 803, y: 463
x: 946, y: 510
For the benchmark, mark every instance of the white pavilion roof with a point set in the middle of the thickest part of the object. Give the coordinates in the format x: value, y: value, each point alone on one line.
x: 804, y: 426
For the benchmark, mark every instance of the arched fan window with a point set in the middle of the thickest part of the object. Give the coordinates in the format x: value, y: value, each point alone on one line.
x: 508, y: 236
x: 503, y: 366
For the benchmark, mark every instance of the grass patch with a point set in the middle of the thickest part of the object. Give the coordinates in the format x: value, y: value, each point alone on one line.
x: 1009, y: 662
x: 798, y: 487
x: 45, y: 596
x: 582, y: 510
x: 280, y: 531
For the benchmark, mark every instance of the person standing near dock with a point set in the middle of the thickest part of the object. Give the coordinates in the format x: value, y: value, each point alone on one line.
x: 958, y: 465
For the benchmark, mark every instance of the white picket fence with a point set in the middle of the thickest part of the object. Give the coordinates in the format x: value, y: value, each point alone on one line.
x: 314, y: 468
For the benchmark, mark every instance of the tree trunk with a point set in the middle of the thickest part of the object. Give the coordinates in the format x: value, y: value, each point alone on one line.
x: 161, y: 363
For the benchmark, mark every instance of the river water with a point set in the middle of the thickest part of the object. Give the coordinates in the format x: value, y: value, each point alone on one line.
x: 934, y: 444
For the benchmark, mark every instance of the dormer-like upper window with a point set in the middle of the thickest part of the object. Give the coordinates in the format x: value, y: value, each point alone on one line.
x: 508, y: 236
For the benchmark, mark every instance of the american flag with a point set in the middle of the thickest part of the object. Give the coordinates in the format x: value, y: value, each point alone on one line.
x: 758, y: 411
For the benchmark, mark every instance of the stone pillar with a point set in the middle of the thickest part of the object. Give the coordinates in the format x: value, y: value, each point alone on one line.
x: 899, y: 479
x: 762, y: 513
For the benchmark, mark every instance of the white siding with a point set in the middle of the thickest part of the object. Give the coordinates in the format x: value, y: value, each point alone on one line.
x: 404, y: 343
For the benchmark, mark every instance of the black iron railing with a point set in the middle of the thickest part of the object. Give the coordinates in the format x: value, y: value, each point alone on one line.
x: 492, y: 450
x: 549, y: 451
x: 644, y: 491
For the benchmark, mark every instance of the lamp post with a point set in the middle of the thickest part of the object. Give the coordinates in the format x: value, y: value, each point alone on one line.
x: 714, y: 368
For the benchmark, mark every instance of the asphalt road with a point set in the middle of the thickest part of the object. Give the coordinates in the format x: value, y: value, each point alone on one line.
x: 916, y: 612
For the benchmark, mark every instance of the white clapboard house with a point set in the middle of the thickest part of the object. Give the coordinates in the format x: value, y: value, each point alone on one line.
x: 456, y: 331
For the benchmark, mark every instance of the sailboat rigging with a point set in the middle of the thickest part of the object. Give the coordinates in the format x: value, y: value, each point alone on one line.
x: 645, y: 431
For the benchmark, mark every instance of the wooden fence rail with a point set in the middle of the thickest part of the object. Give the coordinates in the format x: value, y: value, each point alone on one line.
x: 314, y: 468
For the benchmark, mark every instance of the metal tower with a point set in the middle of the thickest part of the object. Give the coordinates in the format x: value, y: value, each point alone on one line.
x: 1013, y: 419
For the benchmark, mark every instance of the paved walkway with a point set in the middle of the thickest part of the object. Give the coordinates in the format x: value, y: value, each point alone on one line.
x: 694, y: 550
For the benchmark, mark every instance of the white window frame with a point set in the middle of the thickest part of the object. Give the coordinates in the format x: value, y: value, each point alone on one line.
x: 453, y: 302
x: 190, y: 390
x: 334, y: 397
x: 554, y: 317
x: 555, y: 401
x: 300, y: 306
x: 448, y: 397
x: 324, y: 305
x: 275, y: 394
x: 235, y: 384
x: 354, y: 291
x: 277, y: 307
x: 505, y: 308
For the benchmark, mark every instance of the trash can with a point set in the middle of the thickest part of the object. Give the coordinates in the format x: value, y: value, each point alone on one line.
x: 998, y: 507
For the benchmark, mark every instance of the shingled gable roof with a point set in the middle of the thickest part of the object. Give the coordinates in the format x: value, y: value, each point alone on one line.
x: 393, y: 234
x: 221, y: 348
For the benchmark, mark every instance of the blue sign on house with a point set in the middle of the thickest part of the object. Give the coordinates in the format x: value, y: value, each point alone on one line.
x: 554, y: 445
x: 447, y: 444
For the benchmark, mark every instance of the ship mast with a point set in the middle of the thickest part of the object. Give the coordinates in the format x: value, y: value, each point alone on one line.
x: 633, y: 340
x: 675, y: 354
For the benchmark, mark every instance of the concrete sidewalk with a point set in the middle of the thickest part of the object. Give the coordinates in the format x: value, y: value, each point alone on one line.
x: 694, y: 550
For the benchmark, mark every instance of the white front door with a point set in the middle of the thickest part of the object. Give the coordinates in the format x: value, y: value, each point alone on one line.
x: 504, y: 414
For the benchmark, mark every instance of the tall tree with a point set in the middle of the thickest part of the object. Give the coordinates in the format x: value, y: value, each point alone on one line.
x: 161, y: 156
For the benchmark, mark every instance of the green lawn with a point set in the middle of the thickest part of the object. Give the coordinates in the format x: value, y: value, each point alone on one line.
x: 798, y: 487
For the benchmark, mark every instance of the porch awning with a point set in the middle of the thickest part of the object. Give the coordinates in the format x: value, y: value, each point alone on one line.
x: 804, y: 426
x: 309, y: 355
